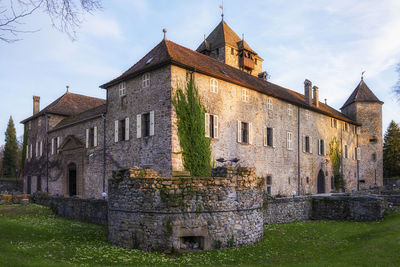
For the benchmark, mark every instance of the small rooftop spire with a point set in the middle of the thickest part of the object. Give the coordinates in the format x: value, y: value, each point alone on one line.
x: 67, y: 88
x: 362, y: 75
x: 165, y: 33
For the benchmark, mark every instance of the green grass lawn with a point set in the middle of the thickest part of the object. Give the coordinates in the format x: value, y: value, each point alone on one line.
x: 32, y: 236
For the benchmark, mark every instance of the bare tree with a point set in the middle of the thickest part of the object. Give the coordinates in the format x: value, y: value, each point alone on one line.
x: 65, y: 15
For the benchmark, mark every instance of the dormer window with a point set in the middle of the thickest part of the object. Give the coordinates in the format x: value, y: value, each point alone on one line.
x: 213, y: 85
x: 122, y: 89
x: 146, y: 80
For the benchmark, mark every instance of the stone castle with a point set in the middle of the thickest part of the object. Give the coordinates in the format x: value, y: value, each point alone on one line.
x: 75, y: 143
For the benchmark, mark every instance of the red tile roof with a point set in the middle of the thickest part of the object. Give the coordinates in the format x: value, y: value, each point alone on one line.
x: 167, y: 53
x: 69, y: 104
x: 86, y: 115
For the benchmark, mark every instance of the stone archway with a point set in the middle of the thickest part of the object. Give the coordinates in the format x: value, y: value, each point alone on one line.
x: 72, y: 184
x: 321, y: 182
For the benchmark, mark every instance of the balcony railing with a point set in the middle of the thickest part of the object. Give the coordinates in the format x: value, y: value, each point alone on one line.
x: 246, y: 63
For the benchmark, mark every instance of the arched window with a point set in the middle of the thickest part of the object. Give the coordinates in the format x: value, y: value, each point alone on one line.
x: 213, y: 85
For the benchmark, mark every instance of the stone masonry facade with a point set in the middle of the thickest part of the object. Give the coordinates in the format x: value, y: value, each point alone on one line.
x: 283, y: 134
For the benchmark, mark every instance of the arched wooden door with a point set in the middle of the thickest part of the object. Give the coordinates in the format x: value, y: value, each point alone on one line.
x: 321, y: 182
x: 72, y: 179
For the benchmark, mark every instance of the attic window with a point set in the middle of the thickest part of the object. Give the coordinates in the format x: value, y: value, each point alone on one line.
x: 122, y: 89
x: 149, y: 60
x: 146, y: 80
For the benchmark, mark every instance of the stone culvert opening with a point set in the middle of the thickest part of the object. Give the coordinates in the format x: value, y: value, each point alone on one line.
x: 191, y: 243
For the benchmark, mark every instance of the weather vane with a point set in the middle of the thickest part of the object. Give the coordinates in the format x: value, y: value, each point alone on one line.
x: 362, y: 75
x: 221, y: 6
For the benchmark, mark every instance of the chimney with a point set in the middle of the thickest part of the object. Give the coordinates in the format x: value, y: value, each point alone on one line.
x: 307, y: 92
x: 315, y: 96
x: 36, y: 104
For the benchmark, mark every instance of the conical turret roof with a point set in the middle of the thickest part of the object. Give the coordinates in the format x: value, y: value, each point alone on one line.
x: 361, y: 94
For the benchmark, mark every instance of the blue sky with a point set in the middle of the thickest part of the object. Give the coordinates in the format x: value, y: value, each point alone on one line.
x: 327, y: 42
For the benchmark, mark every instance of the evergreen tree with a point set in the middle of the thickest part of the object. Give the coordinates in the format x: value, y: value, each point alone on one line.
x: 195, y: 146
x: 10, y: 151
x: 391, y: 151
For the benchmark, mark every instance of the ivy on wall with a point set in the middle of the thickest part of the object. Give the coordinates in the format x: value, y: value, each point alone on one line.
x: 336, y: 159
x: 195, y: 146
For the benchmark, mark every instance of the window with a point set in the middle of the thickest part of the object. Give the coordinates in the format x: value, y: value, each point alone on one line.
x: 245, y: 132
x: 373, y: 156
x: 29, y: 125
x: 91, y: 137
x: 146, y: 80
x: 354, y: 129
x: 358, y: 153
x: 308, y: 180
x: 307, y: 141
x: 30, y: 151
x: 122, y: 89
x: 269, y: 103
x: 37, y: 149
x: 346, y: 152
x: 321, y: 147
x: 269, y: 184
x: 213, y: 85
x: 217, y: 51
x: 346, y: 127
x: 289, y: 141
x: 211, y: 125
x: 232, y: 51
x: 333, y: 123
x: 145, y: 124
x: 121, y: 130
x: 27, y: 151
x: 255, y: 61
x: 39, y: 122
x: 290, y: 110
x: 245, y: 95
x: 269, y: 136
x: 358, y: 130
x: 58, y: 144
x: 40, y: 148
x: 308, y: 115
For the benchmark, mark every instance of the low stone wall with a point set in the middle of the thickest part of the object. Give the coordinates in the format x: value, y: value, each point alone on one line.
x: 393, y: 199
x: 287, y: 209
x: 87, y: 210
x: 185, y: 213
x: 348, y: 207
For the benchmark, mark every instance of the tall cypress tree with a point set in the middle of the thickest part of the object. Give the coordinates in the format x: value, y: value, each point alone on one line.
x: 391, y: 151
x: 195, y: 146
x: 10, y: 151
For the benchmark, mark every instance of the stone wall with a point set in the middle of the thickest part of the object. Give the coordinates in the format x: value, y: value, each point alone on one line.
x: 347, y: 207
x: 227, y: 104
x: 288, y: 209
x: 89, y: 161
x: 185, y: 213
x: 87, y: 210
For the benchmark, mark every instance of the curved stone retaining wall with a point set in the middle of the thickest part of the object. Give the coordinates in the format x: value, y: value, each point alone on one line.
x: 185, y: 213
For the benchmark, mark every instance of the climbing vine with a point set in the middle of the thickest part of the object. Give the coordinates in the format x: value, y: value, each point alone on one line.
x: 195, y: 146
x: 336, y: 159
